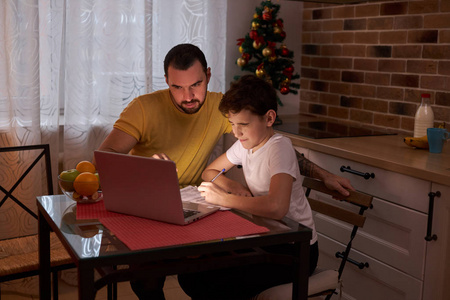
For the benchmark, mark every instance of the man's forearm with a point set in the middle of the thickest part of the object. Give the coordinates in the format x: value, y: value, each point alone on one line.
x: 308, y: 168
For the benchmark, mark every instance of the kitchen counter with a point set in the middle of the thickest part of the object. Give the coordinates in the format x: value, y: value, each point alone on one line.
x: 388, y: 152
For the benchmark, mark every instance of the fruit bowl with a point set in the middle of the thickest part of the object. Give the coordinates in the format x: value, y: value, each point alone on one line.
x: 67, y: 187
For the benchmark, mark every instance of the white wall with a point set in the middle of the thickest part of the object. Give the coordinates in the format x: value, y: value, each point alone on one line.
x: 239, y: 17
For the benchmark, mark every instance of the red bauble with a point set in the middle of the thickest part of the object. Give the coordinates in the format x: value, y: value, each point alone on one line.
x: 284, y: 51
x: 289, y: 69
x: 267, y: 16
x: 253, y: 34
x: 283, y: 34
x: 284, y: 90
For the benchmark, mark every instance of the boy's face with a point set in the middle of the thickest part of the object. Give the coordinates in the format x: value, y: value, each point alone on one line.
x: 251, y: 130
x: 188, y: 87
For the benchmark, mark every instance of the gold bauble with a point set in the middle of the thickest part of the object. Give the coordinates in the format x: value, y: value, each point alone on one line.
x: 241, y: 50
x: 277, y: 30
x: 255, y: 25
x: 241, y: 62
x: 260, y: 73
x: 255, y: 16
x: 256, y: 45
x: 267, y: 52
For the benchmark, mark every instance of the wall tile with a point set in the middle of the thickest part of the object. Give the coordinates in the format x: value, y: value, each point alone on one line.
x: 396, y: 8
x: 422, y: 66
x: 393, y: 37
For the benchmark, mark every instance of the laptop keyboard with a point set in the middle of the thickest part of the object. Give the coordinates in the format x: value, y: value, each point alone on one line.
x: 188, y: 213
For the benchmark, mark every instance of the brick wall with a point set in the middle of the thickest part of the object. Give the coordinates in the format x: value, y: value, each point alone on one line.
x: 370, y: 62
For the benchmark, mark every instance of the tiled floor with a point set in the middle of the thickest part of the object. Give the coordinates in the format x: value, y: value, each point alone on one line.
x: 172, y: 291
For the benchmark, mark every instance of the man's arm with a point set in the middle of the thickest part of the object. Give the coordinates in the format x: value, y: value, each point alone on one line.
x: 332, y: 181
x: 118, y: 141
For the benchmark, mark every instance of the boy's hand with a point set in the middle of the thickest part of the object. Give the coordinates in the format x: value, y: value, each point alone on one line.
x: 212, y: 193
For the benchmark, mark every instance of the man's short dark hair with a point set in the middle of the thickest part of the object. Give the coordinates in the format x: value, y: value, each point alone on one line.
x: 183, y: 56
x: 249, y: 92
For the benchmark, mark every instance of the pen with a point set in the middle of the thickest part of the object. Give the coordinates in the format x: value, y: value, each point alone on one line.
x: 220, y: 173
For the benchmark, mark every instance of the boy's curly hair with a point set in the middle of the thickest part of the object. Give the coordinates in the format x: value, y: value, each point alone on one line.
x: 249, y: 92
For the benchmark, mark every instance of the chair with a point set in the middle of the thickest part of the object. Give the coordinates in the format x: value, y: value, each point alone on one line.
x: 19, y: 256
x: 322, y: 281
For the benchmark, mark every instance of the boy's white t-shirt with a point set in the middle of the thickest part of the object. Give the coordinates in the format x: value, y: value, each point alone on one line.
x: 276, y: 156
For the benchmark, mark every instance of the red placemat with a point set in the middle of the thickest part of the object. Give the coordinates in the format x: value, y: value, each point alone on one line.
x: 140, y: 233
x: 94, y: 211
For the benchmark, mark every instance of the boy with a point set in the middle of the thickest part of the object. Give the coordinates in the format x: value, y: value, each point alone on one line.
x: 274, y: 189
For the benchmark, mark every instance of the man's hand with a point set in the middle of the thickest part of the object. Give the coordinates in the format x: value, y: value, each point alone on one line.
x: 161, y: 156
x: 337, y: 183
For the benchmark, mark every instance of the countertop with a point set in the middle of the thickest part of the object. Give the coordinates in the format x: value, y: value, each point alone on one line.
x: 388, y: 152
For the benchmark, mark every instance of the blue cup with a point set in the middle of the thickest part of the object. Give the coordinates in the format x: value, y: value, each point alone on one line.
x: 436, y: 138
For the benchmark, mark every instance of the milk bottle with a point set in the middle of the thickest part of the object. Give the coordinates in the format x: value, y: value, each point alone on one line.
x: 424, y: 117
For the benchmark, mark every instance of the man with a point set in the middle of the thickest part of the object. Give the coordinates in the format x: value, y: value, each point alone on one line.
x: 183, y: 124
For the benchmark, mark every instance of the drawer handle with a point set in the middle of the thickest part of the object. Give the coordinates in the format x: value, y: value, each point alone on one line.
x: 429, y: 236
x: 360, y: 265
x: 364, y: 175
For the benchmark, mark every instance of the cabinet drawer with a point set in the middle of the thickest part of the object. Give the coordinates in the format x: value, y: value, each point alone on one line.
x: 391, y: 233
x: 378, y: 281
x: 394, y: 187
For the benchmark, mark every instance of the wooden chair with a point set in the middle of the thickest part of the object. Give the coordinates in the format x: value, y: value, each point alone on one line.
x: 19, y: 255
x: 323, y: 281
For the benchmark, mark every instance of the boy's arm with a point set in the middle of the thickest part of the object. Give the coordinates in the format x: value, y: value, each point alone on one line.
x: 227, y: 184
x: 274, y: 205
x: 332, y: 181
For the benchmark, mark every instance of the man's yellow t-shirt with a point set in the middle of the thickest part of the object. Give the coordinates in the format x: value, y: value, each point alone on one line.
x: 188, y: 139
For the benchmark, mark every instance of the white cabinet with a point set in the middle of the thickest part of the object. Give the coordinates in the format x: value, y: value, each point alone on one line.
x: 402, y: 264
x: 437, y: 266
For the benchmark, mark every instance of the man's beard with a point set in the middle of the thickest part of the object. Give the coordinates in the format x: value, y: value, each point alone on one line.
x: 191, y: 110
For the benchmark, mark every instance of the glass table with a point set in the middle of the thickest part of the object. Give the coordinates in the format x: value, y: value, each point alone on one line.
x: 93, y: 247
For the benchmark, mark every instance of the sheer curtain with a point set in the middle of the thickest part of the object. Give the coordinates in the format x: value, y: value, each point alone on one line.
x: 69, y: 67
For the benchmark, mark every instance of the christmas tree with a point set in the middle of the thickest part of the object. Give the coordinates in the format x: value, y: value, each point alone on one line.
x: 265, y: 54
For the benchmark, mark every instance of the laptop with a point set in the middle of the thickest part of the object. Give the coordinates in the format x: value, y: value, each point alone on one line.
x: 145, y: 187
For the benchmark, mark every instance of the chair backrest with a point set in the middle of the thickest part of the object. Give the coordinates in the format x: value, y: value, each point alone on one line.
x: 359, y: 199
x: 26, y: 165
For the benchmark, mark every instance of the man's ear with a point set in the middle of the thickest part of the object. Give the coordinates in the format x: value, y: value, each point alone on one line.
x: 167, y: 79
x: 208, y: 75
x: 271, y: 115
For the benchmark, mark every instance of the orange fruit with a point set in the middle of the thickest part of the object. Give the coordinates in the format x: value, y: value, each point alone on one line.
x: 85, y: 166
x: 86, y: 184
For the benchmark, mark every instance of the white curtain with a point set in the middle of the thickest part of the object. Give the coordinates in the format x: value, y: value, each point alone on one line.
x: 69, y: 67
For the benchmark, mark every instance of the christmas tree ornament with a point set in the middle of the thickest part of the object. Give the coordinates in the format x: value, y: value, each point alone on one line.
x: 267, y: 14
x: 284, y: 51
x: 241, y: 62
x: 257, y: 44
x: 267, y: 52
x: 260, y: 72
x: 264, y: 52
x: 253, y: 34
x: 284, y: 90
x: 276, y: 29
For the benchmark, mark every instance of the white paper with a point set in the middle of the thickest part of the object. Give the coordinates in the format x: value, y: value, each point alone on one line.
x: 192, y: 194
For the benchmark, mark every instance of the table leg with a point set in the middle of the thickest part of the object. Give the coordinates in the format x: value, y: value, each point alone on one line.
x: 86, y: 288
x: 44, y: 258
x: 301, y: 271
